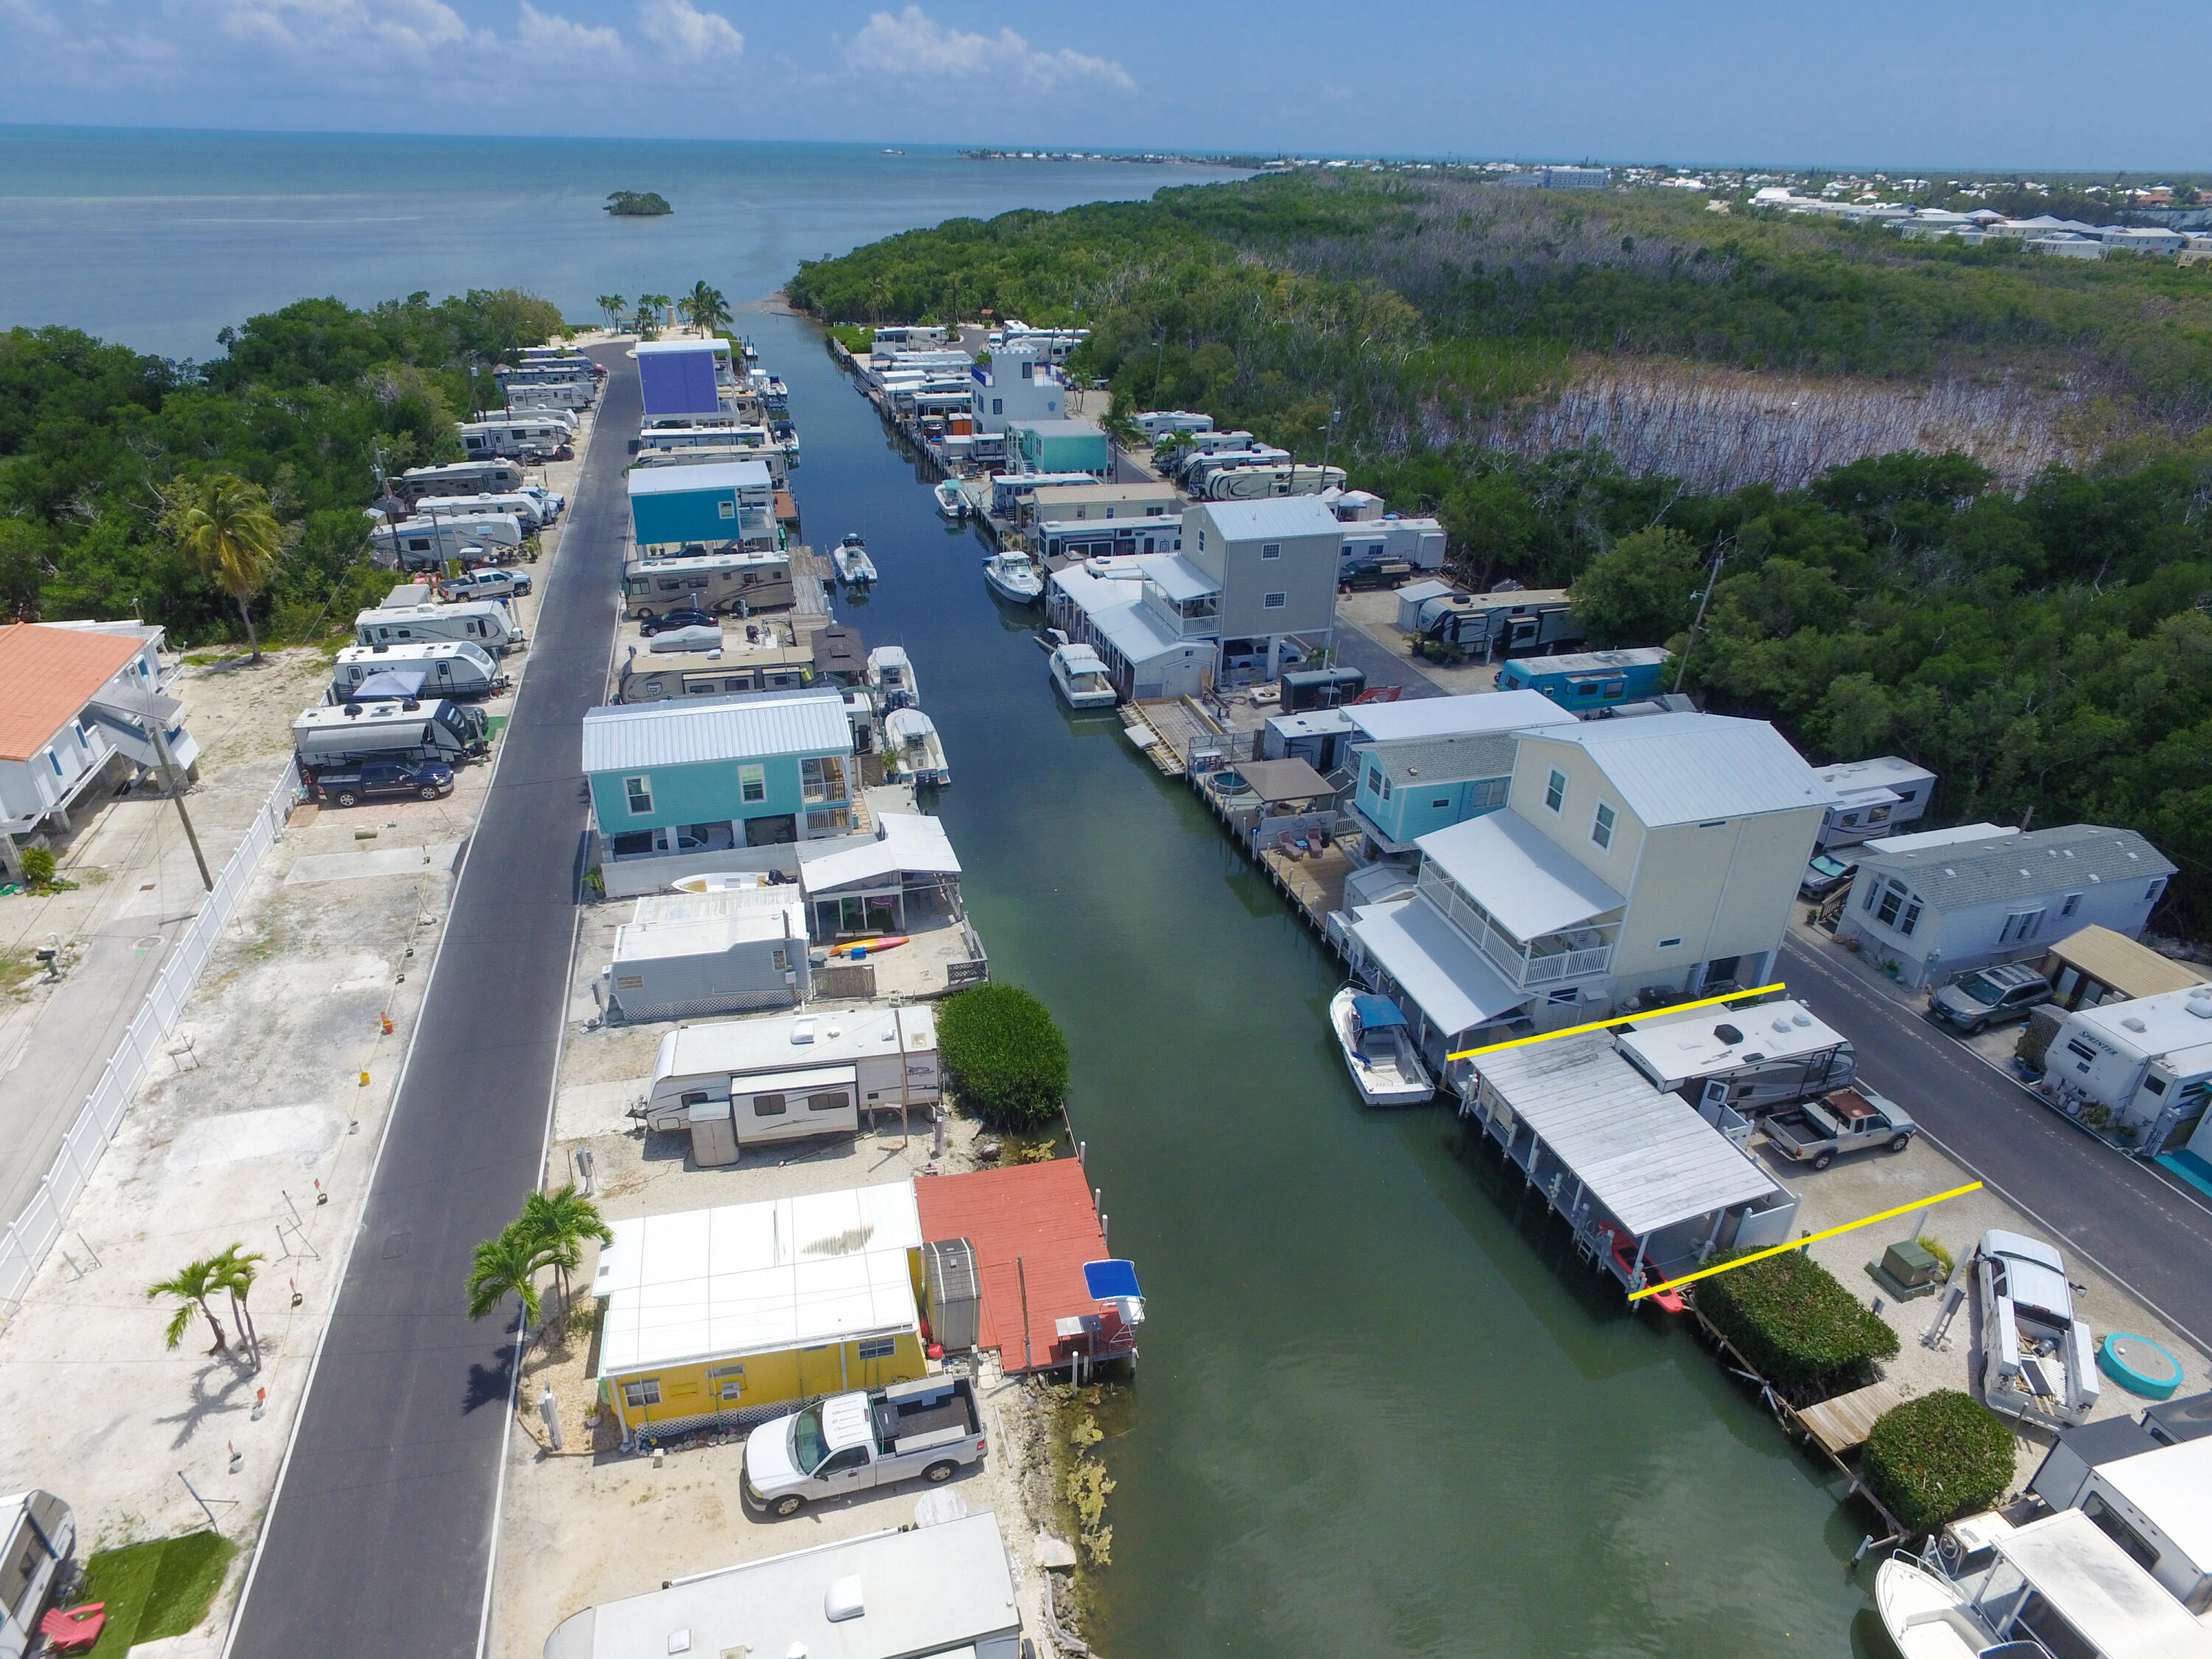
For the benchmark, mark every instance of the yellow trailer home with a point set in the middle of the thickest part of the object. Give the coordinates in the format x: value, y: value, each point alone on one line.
x: 717, y: 1316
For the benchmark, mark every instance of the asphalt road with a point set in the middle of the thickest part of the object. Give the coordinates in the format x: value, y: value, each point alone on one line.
x: 2133, y: 1223
x: 381, y: 1535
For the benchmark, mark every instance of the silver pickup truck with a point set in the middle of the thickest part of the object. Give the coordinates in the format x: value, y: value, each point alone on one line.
x: 1848, y: 1120
x: 852, y: 1442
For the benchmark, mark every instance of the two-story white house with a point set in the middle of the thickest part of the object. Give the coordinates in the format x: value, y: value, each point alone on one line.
x: 1019, y: 384
x: 1945, y: 900
x: 1659, y: 855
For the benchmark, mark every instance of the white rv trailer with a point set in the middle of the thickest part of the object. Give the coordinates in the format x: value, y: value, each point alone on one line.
x: 449, y: 668
x: 527, y: 508
x: 418, y: 728
x: 427, y: 541
x: 760, y: 1070
x: 777, y: 461
x: 486, y: 623
x: 734, y: 581
x: 1252, y: 484
x: 1752, y: 1060
x: 38, y: 1531
x: 491, y: 476
x: 1158, y: 423
x: 2146, y: 1063
x: 521, y: 433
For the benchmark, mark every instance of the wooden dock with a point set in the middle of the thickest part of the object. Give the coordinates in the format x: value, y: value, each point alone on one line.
x: 1843, y: 1423
x: 1314, y: 883
x: 1177, y: 725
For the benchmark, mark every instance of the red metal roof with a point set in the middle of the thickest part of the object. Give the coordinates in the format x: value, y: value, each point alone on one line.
x: 1041, y: 1214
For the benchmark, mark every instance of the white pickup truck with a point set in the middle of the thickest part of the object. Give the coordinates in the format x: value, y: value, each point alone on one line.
x: 852, y: 1442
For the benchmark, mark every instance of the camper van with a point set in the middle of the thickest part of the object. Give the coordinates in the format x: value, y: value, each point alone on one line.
x: 524, y: 435
x: 411, y: 728
x: 459, y: 479
x: 449, y: 668
x: 1752, y: 1060
x: 486, y: 623
x: 722, y: 582
x: 2145, y: 1066
x: 782, y: 1076
x: 425, y: 542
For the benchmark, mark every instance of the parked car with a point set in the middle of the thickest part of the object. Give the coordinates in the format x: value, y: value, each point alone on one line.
x: 689, y: 617
x: 350, y: 786
x: 1853, y: 1120
x: 1989, y: 996
x: 1824, y: 875
x: 487, y: 584
x: 852, y: 1442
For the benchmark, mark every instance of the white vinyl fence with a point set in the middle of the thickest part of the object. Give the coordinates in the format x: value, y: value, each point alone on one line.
x: 24, y: 1245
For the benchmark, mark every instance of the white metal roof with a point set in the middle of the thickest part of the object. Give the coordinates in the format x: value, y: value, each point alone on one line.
x: 692, y: 480
x: 1643, y: 1154
x: 1474, y: 711
x: 2172, y: 1487
x: 1686, y: 768
x: 1675, y: 1050
x: 777, y: 1042
x: 930, y: 1590
x: 1178, y: 578
x: 1951, y: 837
x: 1882, y: 772
x: 647, y: 734
x: 1454, y: 983
x: 1133, y: 630
x: 1282, y: 515
x: 757, y: 1278
x: 699, y: 936
x: 906, y: 841
x: 1528, y: 883
x: 720, y: 347
x: 2100, y: 1590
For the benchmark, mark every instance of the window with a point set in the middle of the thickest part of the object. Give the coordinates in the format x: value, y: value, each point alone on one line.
x: 852, y: 1457
x: 881, y: 1348
x: 2073, y: 903
x: 1850, y: 820
x: 1910, y: 919
x: 1892, y: 901
x: 1601, y: 830
x: 2156, y: 888
x: 1669, y: 944
x: 2116, y: 1528
x: 769, y: 1106
x: 752, y: 784
x: 1386, y: 789
x: 54, y: 760
x: 1878, y: 815
x: 998, y: 405
x: 821, y: 779
x: 1555, y: 792
x: 1374, y: 780
x: 693, y: 1097
x: 1271, y: 549
x: 640, y: 793
x: 1491, y: 792
x: 2021, y: 924
x: 781, y: 958
x: 634, y: 842
x: 1440, y: 803
x: 727, y: 509
x: 1201, y: 541
x: 1588, y: 689
x: 646, y: 1391
x: 1275, y: 601
x: 1568, y: 995
x: 834, y: 1100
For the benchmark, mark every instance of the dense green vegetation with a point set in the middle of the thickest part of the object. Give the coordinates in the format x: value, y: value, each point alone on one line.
x: 1004, y: 1057
x: 1799, y: 1329
x: 638, y: 203
x: 100, y: 447
x: 1942, y: 1456
x: 2044, y: 645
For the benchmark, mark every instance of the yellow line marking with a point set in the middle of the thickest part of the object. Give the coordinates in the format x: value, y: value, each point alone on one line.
x: 1624, y: 1019
x: 1849, y: 1226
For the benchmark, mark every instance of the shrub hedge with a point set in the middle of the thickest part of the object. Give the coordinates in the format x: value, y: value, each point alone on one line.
x: 1802, y: 1330
x: 1944, y: 1454
x: 1003, y: 1056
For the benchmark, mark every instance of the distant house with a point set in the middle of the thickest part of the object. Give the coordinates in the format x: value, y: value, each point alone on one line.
x: 727, y: 504
x: 1940, y: 904
x: 1878, y: 797
x: 73, y: 701
x: 1408, y: 787
x: 1063, y: 445
x: 1019, y: 383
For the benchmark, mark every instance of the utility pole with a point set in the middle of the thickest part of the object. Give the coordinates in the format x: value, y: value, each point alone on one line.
x: 1682, y: 672
x: 153, y: 729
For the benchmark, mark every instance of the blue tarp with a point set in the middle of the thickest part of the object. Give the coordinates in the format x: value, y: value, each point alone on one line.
x: 1375, y: 1013
x: 1110, y: 1279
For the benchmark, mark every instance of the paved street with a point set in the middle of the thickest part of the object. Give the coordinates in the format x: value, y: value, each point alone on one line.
x: 380, y: 1537
x: 2138, y: 1227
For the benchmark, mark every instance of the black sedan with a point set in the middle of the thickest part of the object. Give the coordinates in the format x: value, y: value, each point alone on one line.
x: 689, y: 617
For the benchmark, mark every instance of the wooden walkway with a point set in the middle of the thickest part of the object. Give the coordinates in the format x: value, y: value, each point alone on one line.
x: 1844, y: 1422
x: 1314, y: 883
x: 1177, y: 723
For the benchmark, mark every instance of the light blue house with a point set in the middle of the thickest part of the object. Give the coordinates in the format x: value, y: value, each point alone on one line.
x: 1407, y: 787
x: 1063, y: 445
x: 730, y: 503
x: 674, y: 778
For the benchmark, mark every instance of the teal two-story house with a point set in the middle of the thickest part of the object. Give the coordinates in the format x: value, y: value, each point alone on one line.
x: 669, y: 778
x: 1407, y: 787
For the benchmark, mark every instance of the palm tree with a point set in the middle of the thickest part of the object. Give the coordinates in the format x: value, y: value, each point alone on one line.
x: 709, y: 311
x: 651, y: 314
x: 558, y: 1223
x: 223, y: 526
x: 235, y: 1271
x: 506, y: 1266
x: 612, y: 304
x: 191, y: 1285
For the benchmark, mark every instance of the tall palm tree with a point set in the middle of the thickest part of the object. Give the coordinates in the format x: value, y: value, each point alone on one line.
x: 223, y: 526
x: 560, y: 1221
x: 191, y: 1285
x: 651, y: 314
x: 236, y: 1269
x: 612, y: 305
x: 706, y: 308
x: 506, y: 1266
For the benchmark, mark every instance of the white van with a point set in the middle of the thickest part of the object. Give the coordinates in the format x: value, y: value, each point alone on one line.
x: 449, y: 668
x: 485, y: 623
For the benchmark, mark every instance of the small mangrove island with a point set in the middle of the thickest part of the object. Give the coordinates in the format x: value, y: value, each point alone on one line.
x: 638, y: 203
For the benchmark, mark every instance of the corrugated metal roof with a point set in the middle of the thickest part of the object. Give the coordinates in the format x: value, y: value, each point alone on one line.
x: 691, y: 480
x: 1133, y: 630
x: 48, y: 674
x: 1460, y: 758
x: 1530, y: 883
x: 634, y: 735
x: 1453, y: 984
x: 908, y: 841
x: 2115, y: 960
x: 1645, y: 1156
x: 1283, y: 515
x: 1686, y: 768
x: 2023, y: 867
x: 1472, y: 711
x: 1042, y: 1214
x: 1178, y: 578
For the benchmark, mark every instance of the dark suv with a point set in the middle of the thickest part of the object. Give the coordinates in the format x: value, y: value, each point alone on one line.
x: 348, y: 786
x: 1989, y: 996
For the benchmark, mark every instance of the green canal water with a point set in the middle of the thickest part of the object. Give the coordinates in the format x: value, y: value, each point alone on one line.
x: 1382, y: 1409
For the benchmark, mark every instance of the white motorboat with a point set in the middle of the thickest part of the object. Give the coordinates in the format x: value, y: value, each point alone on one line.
x: 950, y: 502
x: 2038, y: 1354
x: 1079, y: 675
x: 913, y: 749
x: 853, y: 566
x: 1378, y: 1050
x: 891, y: 677
x: 1014, y: 578
x: 719, y: 881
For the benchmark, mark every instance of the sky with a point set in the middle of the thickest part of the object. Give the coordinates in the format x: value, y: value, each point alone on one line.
x: 2022, y: 85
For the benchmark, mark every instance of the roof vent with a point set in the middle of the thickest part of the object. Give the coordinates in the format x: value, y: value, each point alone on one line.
x: 802, y: 1029
x: 1728, y: 1034
x: 1783, y: 1026
x: 2200, y: 1004
x: 2134, y: 1024
x: 843, y: 1601
x: 1804, y: 1021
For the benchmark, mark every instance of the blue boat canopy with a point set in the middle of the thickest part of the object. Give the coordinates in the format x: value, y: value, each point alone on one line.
x: 1375, y: 1013
x: 1109, y: 1280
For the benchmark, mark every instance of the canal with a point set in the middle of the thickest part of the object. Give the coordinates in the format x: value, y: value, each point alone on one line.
x: 1382, y: 1409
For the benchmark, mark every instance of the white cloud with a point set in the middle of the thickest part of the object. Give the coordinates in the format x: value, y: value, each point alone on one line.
x: 402, y: 26
x: 551, y: 35
x: 687, y: 33
x: 912, y: 42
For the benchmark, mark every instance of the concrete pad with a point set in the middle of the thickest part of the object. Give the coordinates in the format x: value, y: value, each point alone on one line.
x: 436, y: 856
x: 586, y: 1110
x: 298, y: 1132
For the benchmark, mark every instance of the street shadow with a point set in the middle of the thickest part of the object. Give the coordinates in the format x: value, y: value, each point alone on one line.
x: 217, y: 1389
x: 488, y: 1384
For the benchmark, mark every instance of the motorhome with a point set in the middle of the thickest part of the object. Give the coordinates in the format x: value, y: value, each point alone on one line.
x: 1161, y: 423
x: 529, y: 508
x: 760, y: 1070
x: 2140, y: 1070
x: 450, y: 668
x: 1752, y: 1060
x: 722, y: 582
x: 488, y: 476
x: 485, y: 623
x: 412, y: 728
x: 424, y: 542
x: 525, y: 435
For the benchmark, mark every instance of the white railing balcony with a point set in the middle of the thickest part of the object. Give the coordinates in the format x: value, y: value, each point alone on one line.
x: 1550, y: 960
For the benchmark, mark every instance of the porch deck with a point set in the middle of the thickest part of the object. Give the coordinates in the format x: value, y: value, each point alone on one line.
x: 1844, y: 1422
x: 1314, y: 883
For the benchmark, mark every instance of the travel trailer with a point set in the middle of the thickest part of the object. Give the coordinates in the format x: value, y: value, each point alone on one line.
x: 413, y: 728
x: 524, y: 434
x: 449, y: 668
x: 485, y: 623
x: 490, y: 476
x: 424, y: 542
x: 769, y: 1073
